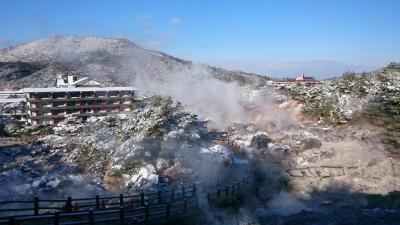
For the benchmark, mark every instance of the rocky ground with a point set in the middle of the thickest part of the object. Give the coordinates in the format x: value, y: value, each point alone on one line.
x: 31, y: 170
x: 308, y: 171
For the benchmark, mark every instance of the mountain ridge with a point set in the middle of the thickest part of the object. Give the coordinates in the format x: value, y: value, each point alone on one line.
x: 112, y: 61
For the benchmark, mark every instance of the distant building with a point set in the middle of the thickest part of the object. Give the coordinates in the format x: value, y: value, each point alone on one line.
x: 302, y: 80
x: 82, y: 98
x: 306, y: 80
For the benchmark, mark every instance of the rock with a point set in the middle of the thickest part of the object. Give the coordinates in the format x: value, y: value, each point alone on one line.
x: 145, y: 175
x: 113, y: 183
x: 162, y: 164
x: 73, y: 120
x: 92, y: 119
x: 309, y: 143
x: 65, y: 184
x: 36, y: 184
x: 24, y: 169
x: 12, y: 128
x: 278, y: 151
x: 23, y: 189
x: 53, y: 184
x: 260, y: 140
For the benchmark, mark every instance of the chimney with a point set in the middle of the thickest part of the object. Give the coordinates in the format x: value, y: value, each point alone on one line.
x: 60, y: 82
x: 71, y: 79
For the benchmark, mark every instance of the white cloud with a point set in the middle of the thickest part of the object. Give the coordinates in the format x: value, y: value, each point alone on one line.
x: 175, y: 21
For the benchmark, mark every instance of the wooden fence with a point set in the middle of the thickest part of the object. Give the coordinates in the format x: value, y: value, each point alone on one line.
x: 154, y: 207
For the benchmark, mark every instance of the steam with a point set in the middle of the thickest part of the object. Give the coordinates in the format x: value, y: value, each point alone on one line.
x: 220, y: 102
x: 285, y: 204
x: 200, y: 92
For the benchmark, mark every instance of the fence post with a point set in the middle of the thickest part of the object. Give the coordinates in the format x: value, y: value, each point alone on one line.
x: 168, y: 210
x: 208, y: 197
x: 218, y: 193
x: 69, y: 204
x: 184, y: 205
x: 226, y: 191
x: 121, y: 215
x: 159, y: 196
x: 76, y: 208
x: 12, y: 220
x: 36, y: 205
x: 133, y: 202
x: 142, y: 199
x: 194, y: 190
x: 56, y: 218
x: 238, y: 186
x: 91, y: 217
x: 97, y: 202
x: 103, y: 204
x: 121, y: 200
x: 233, y: 189
x: 146, y: 212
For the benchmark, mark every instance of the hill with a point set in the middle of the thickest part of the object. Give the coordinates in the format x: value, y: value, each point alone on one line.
x: 366, y: 98
x: 108, y: 60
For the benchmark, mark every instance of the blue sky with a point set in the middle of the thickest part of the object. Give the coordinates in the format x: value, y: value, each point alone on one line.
x: 281, y: 37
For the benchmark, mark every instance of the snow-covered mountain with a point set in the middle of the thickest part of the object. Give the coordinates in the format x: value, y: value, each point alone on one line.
x: 108, y: 60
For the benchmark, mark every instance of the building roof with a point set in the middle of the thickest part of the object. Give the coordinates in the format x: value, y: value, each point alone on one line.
x: 10, y: 92
x: 12, y: 100
x: 80, y: 80
x: 77, y: 89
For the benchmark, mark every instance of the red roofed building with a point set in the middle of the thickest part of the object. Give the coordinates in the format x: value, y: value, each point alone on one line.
x: 302, y: 80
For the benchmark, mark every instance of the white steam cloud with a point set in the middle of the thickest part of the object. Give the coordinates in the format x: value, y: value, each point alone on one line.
x: 223, y: 103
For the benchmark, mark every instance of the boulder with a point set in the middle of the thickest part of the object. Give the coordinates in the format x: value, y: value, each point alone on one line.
x: 278, y: 152
x: 12, y: 128
x: 260, y: 140
x: 310, y: 143
x: 53, y: 184
x: 65, y: 184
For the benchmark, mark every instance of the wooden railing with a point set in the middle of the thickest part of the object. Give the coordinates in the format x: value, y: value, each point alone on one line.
x: 158, y: 206
x: 38, y: 206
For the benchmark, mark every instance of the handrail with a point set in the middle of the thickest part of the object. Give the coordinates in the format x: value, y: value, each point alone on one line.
x: 162, y: 211
x: 99, y: 202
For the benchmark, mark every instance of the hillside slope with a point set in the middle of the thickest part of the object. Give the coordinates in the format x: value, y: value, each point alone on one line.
x: 371, y: 99
x: 110, y: 61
